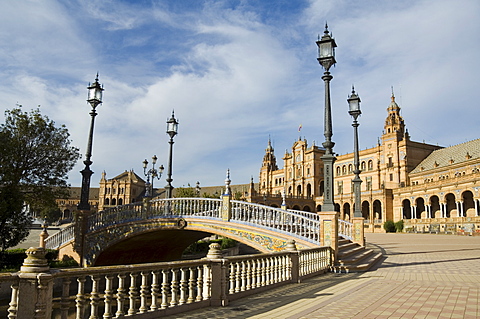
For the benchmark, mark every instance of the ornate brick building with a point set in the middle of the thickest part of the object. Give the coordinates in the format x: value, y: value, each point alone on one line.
x: 426, y: 185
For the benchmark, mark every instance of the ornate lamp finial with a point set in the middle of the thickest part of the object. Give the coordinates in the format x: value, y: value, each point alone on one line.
x: 227, y: 183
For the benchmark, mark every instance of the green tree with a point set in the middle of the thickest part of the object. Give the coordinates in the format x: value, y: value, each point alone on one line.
x: 51, y: 214
x: 35, y: 158
x: 185, y: 191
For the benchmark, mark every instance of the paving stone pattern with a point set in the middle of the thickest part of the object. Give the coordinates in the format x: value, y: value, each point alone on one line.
x: 422, y: 276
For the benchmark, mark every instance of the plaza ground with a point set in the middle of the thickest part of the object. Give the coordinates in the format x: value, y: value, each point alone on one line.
x: 421, y: 276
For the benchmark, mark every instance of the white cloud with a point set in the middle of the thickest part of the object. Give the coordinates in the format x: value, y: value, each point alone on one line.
x: 233, y: 76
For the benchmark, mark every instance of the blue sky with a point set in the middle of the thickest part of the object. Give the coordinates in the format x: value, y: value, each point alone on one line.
x: 237, y: 72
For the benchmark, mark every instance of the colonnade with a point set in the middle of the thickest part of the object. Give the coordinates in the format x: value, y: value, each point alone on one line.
x: 460, y: 207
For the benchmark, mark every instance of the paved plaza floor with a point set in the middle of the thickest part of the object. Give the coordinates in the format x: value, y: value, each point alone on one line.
x: 421, y: 276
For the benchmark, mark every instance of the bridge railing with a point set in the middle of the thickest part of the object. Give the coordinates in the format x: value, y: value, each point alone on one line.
x: 157, y: 289
x: 302, y: 224
x: 60, y: 238
x: 117, y: 215
x: 276, y: 218
x: 157, y: 208
x: 314, y: 216
x: 345, y: 229
x: 177, y: 207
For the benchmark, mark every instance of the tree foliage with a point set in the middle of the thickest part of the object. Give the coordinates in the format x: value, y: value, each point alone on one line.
x: 185, y: 192
x: 35, y: 158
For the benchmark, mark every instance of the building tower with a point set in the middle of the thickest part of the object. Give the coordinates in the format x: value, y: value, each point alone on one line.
x: 393, y: 146
x: 269, y: 164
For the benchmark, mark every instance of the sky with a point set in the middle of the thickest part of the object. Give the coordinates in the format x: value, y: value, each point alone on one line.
x: 236, y: 73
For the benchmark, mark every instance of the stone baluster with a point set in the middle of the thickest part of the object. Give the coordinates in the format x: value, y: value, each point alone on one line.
x: 183, y: 286
x: 231, y: 277
x: 144, y: 292
x: 174, y: 288
x: 64, y: 304
x: 155, y: 288
x: 258, y: 271
x: 264, y: 272
x: 270, y: 270
x: 248, y: 275
x: 132, y: 294
x: 199, y: 287
x: 283, y: 272
x: 165, y: 287
x: 207, y: 282
x: 108, y: 297
x: 275, y: 277
x: 191, y: 285
x: 253, y: 274
x: 94, y: 297
x: 80, y: 301
x: 243, y: 275
x: 237, y: 276
x: 121, y: 295
x: 12, y: 306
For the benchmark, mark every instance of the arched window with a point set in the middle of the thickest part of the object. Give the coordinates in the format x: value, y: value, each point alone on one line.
x: 362, y: 166
x: 120, y: 201
x: 107, y: 201
x: 114, y: 202
x: 370, y: 165
x: 350, y: 168
x: 338, y: 170
x: 344, y: 169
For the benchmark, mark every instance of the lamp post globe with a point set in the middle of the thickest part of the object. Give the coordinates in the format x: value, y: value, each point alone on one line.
x: 95, y: 94
x: 153, y: 172
x: 172, y: 130
x: 354, y: 110
x: 326, y: 58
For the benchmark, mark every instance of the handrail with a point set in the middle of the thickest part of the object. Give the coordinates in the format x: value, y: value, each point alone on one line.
x: 276, y: 218
x: 345, y: 229
x: 60, y: 238
x: 168, y: 287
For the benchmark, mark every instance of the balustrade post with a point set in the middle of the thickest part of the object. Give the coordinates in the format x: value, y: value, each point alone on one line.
x: 295, y: 261
x: 329, y: 232
x: 358, y: 234
x: 35, y: 286
x: 218, y: 286
x: 226, y: 212
x: 146, y: 204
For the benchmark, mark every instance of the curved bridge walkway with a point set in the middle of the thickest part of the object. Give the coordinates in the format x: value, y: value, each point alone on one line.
x: 265, y: 228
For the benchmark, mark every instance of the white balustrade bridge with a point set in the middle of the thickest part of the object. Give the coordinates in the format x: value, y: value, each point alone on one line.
x: 265, y: 228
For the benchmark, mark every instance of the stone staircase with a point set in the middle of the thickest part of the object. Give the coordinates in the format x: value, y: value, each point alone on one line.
x: 354, y: 258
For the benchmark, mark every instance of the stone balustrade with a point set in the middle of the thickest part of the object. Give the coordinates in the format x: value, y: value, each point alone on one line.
x: 275, y: 218
x: 314, y: 216
x: 156, y: 289
x: 345, y: 229
x: 60, y: 238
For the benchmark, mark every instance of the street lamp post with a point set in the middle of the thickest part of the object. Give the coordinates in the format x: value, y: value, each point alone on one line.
x: 172, y: 130
x: 326, y: 58
x: 153, y: 172
x: 354, y: 110
x: 197, y: 189
x: 95, y: 92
